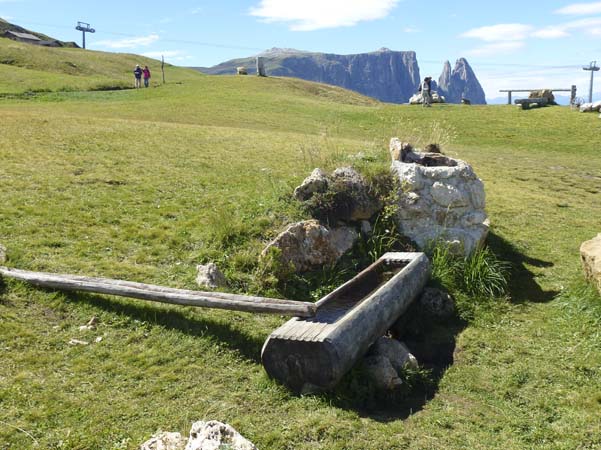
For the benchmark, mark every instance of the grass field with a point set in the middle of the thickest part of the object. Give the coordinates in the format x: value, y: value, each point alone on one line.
x: 144, y: 185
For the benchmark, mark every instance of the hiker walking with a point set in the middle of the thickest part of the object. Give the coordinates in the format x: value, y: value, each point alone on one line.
x: 426, y: 89
x: 146, y: 73
x: 138, y: 76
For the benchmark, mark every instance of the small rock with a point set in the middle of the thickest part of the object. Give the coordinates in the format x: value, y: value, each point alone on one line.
x: 165, y: 441
x: 2, y: 254
x: 364, y: 205
x: 396, y: 352
x: 590, y: 255
x: 77, y: 342
x: 214, y: 435
x: 98, y: 339
x: 437, y: 303
x: 381, y: 373
x: 316, y: 182
x: 210, y: 276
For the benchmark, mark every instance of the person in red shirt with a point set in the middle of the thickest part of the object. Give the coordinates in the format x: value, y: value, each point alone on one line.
x: 146, y: 73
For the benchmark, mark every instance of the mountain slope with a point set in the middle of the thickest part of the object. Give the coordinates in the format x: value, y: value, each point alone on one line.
x: 25, y: 67
x: 389, y: 76
x: 7, y: 26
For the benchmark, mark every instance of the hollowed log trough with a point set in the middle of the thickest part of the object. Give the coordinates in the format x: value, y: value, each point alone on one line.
x: 312, y: 354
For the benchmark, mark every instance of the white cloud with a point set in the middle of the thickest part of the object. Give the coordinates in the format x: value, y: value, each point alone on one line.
x: 411, y: 30
x: 312, y: 15
x: 590, y: 26
x: 195, y: 11
x: 139, y: 41
x: 500, y: 33
x: 551, y: 32
x: 495, y: 48
x: 580, y: 9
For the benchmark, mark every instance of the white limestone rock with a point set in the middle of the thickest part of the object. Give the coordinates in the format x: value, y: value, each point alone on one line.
x: 165, y: 440
x: 590, y: 255
x: 316, y: 182
x: 441, y: 199
x: 308, y: 244
x: 214, y: 435
x: 2, y: 254
x: 209, y: 275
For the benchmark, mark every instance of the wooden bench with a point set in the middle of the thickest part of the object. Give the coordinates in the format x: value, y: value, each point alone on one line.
x: 526, y: 102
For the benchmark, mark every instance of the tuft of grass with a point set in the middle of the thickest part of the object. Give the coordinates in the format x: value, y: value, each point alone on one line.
x: 475, y: 279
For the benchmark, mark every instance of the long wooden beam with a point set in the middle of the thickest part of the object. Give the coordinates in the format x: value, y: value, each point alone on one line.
x: 163, y: 294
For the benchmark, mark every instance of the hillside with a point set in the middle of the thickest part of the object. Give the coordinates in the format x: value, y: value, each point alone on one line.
x: 31, y: 68
x: 389, y: 76
x: 7, y: 26
x: 145, y: 184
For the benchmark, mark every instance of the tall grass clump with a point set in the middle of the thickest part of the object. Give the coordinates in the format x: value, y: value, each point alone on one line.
x: 473, y: 280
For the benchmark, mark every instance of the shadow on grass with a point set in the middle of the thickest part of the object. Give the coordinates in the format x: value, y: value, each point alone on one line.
x: 249, y: 347
x: 522, y: 284
x: 433, y: 344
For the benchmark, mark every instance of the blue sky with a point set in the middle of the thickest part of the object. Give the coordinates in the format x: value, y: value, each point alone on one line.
x: 510, y: 44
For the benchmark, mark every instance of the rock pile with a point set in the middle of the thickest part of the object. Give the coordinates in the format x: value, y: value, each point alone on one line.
x: 441, y: 199
x: 341, y: 200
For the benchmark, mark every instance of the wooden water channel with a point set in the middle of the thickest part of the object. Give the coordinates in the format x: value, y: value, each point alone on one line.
x: 310, y: 352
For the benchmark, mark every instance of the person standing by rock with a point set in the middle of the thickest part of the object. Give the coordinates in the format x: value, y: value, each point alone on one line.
x: 426, y: 89
x: 146, y: 73
x: 138, y: 76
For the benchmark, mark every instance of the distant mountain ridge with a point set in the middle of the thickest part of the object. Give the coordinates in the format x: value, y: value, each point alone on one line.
x: 387, y: 75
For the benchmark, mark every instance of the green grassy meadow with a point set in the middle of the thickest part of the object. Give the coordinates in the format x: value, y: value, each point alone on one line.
x: 145, y: 184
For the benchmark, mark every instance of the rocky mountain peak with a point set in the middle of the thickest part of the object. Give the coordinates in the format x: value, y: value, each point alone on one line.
x: 275, y: 51
x: 460, y: 83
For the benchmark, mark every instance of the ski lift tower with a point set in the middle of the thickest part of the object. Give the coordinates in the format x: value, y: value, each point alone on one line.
x: 593, y: 68
x: 84, y: 28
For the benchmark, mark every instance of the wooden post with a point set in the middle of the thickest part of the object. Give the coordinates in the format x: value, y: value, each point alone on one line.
x: 573, y: 95
x: 509, y: 97
x: 163, y: 67
x: 310, y: 355
x: 162, y: 294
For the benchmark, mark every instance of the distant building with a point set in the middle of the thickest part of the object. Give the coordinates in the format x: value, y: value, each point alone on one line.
x: 30, y: 39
